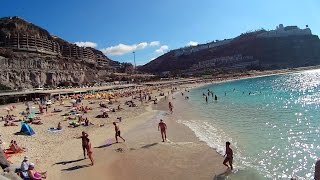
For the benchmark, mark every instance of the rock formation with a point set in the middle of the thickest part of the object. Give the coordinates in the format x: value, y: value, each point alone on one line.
x: 31, y: 57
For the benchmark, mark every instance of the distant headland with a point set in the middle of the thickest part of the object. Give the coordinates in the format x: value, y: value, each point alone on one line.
x: 284, y: 47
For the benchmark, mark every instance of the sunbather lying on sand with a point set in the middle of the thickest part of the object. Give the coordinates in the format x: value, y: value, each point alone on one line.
x: 9, y: 123
x: 56, y: 110
x: 74, y: 124
x: 104, y: 115
x: 36, y: 121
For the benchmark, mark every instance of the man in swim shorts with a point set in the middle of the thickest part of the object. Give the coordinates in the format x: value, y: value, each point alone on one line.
x: 229, y: 155
x: 162, y: 127
x: 117, y: 132
x: 84, y: 138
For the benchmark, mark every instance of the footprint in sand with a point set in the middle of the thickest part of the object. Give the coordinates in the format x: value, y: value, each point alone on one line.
x: 120, y: 150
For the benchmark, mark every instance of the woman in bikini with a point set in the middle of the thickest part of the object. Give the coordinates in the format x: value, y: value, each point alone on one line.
x: 89, y: 151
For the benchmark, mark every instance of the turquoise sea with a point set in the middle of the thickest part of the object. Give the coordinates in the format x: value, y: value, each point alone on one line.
x: 272, y: 122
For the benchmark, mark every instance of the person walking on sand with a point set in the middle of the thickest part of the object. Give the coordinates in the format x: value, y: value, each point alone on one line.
x: 162, y: 127
x: 117, y: 132
x: 170, y: 107
x: 84, y: 138
x: 89, y: 151
x: 229, y: 155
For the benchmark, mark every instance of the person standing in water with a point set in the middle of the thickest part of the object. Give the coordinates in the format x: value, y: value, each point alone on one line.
x: 215, y: 97
x: 228, y: 155
x: 162, y: 127
x: 206, y: 99
x: 117, y: 132
x: 170, y: 107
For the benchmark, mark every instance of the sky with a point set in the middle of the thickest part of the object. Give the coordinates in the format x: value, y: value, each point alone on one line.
x: 152, y: 28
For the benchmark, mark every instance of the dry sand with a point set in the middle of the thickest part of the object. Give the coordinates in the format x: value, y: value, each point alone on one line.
x: 49, y: 150
x: 142, y: 156
x: 145, y: 156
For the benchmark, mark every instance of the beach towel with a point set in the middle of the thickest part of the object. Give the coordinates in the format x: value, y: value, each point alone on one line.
x: 9, y: 151
x: 54, y: 130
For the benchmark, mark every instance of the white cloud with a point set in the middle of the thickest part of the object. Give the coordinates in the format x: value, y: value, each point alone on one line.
x: 153, y: 58
x: 155, y: 43
x: 121, y: 49
x: 86, y: 44
x: 162, y: 49
x: 192, y: 43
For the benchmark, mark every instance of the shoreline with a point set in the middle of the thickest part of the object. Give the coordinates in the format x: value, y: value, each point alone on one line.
x: 145, y: 145
x: 61, y: 154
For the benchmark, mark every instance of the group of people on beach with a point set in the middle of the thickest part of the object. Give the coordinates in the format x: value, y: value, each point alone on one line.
x: 28, y: 168
x: 28, y: 172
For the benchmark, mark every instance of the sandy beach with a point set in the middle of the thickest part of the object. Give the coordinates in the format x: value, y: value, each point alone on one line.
x: 60, y: 153
x: 142, y: 156
x: 145, y: 156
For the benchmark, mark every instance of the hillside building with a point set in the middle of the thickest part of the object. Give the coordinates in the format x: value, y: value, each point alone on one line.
x: 282, y: 31
x: 191, y: 49
x: 32, y: 44
x: 75, y: 51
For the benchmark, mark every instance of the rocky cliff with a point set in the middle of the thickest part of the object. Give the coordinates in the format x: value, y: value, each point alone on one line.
x: 28, y: 70
x: 268, y: 53
x: 21, y: 68
x: 15, y: 25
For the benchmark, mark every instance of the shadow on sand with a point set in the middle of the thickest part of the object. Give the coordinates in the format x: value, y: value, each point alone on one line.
x: 149, y: 145
x: 68, y: 162
x: 75, y: 168
x: 223, y: 176
x: 20, y: 133
x: 105, y: 145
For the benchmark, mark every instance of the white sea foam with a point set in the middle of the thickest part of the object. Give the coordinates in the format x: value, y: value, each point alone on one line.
x: 207, y: 133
